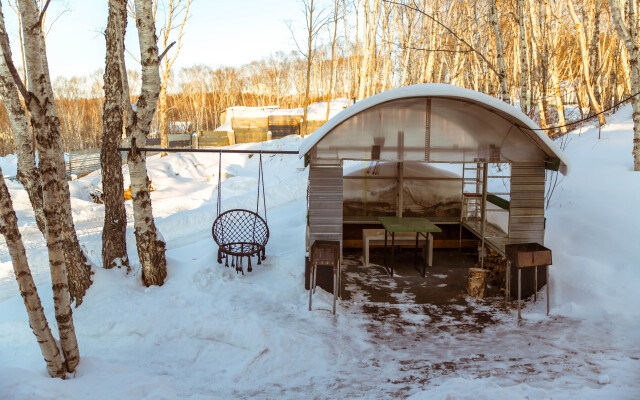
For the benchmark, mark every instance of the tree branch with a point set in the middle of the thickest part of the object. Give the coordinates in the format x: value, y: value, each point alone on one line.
x: 43, y: 12
x: 471, y: 48
x: 12, y: 68
x: 165, y: 51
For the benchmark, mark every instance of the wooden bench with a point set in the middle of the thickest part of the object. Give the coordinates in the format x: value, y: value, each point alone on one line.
x: 376, y: 236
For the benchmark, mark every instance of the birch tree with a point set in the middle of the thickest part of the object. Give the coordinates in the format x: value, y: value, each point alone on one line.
x: 584, y: 57
x: 114, y: 247
x: 28, y: 173
x: 150, y: 245
x: 497, y: 33
x: 315, y: 19
x: 177, y: 13
x: 37, y: 320
x: 626, y: 18
x: 56, y: 198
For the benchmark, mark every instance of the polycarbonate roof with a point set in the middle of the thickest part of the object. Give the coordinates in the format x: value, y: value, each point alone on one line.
x: 433, y: 123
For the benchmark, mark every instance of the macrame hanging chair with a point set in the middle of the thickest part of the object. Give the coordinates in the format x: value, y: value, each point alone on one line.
x: 241, y: 233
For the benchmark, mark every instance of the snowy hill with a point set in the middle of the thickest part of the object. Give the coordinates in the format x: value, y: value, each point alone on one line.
x: 209, y: 333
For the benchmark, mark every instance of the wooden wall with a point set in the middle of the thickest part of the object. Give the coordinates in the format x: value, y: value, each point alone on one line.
x: 325, y: 203
x: 526, y: 212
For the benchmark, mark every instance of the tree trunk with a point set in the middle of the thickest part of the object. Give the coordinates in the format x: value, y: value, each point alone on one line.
x: 630, y: 35
x: 114, y: 247
x: 333, y: 52
x: 523, y: 58
x: 162, y: 118
x: 308, y: 78
x: 28, y: 290
x: 584, y: 58
x: 497, y: 32
x: 28, y: 173
x: 151, y: 248
x: 45, y: 122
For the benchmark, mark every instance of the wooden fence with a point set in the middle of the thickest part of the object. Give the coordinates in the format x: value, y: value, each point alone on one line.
x: 83, y: 162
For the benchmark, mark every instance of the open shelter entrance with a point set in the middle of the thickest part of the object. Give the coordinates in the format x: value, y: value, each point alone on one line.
x: 429, y: 152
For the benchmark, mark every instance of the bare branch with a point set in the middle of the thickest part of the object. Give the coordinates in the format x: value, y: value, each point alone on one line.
x: 165, y: 51
x: 471, y: 48
x: 43, y: 12
x: 12, y: 68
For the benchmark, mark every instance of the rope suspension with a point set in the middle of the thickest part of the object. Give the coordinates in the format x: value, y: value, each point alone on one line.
x: 241, y: 233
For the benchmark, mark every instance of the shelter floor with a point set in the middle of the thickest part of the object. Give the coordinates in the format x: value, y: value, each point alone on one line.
x: 445, y: 282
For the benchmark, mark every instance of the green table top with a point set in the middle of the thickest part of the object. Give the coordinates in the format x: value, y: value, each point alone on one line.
x: 408, y: 224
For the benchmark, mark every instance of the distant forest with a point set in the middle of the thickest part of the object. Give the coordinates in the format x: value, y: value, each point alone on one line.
x: 542, y: 54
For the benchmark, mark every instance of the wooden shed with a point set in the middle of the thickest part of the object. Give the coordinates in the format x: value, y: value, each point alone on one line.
x: 431, y: 124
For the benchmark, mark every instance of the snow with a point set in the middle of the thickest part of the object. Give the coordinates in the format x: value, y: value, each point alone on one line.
x: 315, y: 112
x: 210, y: 333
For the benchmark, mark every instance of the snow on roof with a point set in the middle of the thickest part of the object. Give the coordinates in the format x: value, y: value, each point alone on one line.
x: 435, y: 90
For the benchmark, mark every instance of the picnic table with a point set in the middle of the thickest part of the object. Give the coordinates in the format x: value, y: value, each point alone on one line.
x: 421, y: 226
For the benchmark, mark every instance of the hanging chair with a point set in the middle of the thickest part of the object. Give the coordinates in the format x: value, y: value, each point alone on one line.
x: 241, y: 233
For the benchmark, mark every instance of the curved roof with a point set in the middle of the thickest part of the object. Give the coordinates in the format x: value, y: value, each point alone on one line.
x: 437, y: 90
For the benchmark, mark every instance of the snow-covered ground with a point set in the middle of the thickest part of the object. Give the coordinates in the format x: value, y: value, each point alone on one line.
x: 209, y: 333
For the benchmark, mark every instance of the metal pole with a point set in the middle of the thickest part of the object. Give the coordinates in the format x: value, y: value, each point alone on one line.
x: 548, y: 290
x: 400, y: 188
x: 519, y: 293
x: 212, y: 150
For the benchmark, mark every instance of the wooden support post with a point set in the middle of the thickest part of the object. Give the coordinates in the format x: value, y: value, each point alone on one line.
x: 483, y: 210
x: 194, y: 140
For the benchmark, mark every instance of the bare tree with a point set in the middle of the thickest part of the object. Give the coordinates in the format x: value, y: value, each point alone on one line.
x: 315, y: 19
x: 497, y: 33
x: 584, y: 56
x: 37, y: 320
x: 176, y: 15
x: 28, y: 173
x: 336, y: 18
x: 60, y: 235
x: 150, y: 245
x: 626, y: 18
x: 114, y: 247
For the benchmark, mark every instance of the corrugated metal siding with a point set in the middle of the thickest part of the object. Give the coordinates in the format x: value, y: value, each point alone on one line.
x: 526, y: 213
x: 325, y: 203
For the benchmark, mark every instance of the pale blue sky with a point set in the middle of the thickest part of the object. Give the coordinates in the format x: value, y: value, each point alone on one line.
x: 231, y: 32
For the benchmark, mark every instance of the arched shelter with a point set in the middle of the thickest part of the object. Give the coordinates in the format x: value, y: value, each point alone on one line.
x: 434, y: 123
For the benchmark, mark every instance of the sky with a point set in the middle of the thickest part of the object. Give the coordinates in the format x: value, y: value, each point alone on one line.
x: 230, y: 33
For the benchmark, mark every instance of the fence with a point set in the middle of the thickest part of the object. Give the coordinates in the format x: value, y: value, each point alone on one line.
x: 255, y: 129
x: 83, y: 162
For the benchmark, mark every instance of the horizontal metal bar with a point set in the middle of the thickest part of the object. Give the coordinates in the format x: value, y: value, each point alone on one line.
x: 406, y: 178
x: 158, y: 149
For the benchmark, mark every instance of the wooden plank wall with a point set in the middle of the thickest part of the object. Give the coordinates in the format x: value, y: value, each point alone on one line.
x: 325, y: 203
x: 212, y: 139
x: 248, y: 130
x: 526, y: 212
x: 312, y: 126
x: 284, y: 125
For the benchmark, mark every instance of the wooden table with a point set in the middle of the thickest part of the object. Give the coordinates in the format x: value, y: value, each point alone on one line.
x: 421, y: 226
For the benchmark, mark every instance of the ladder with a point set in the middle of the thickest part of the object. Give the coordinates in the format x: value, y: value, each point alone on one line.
x: 472, y: 182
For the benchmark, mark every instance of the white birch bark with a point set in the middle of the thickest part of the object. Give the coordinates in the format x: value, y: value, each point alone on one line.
x: 45, y: 122
x: 523, y: 57
x: 28, y: 290
x: 584, y: 58
x: 629, y: 32
x: 497, y: 33
x: 28, y: 173
x: 151, y: 249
